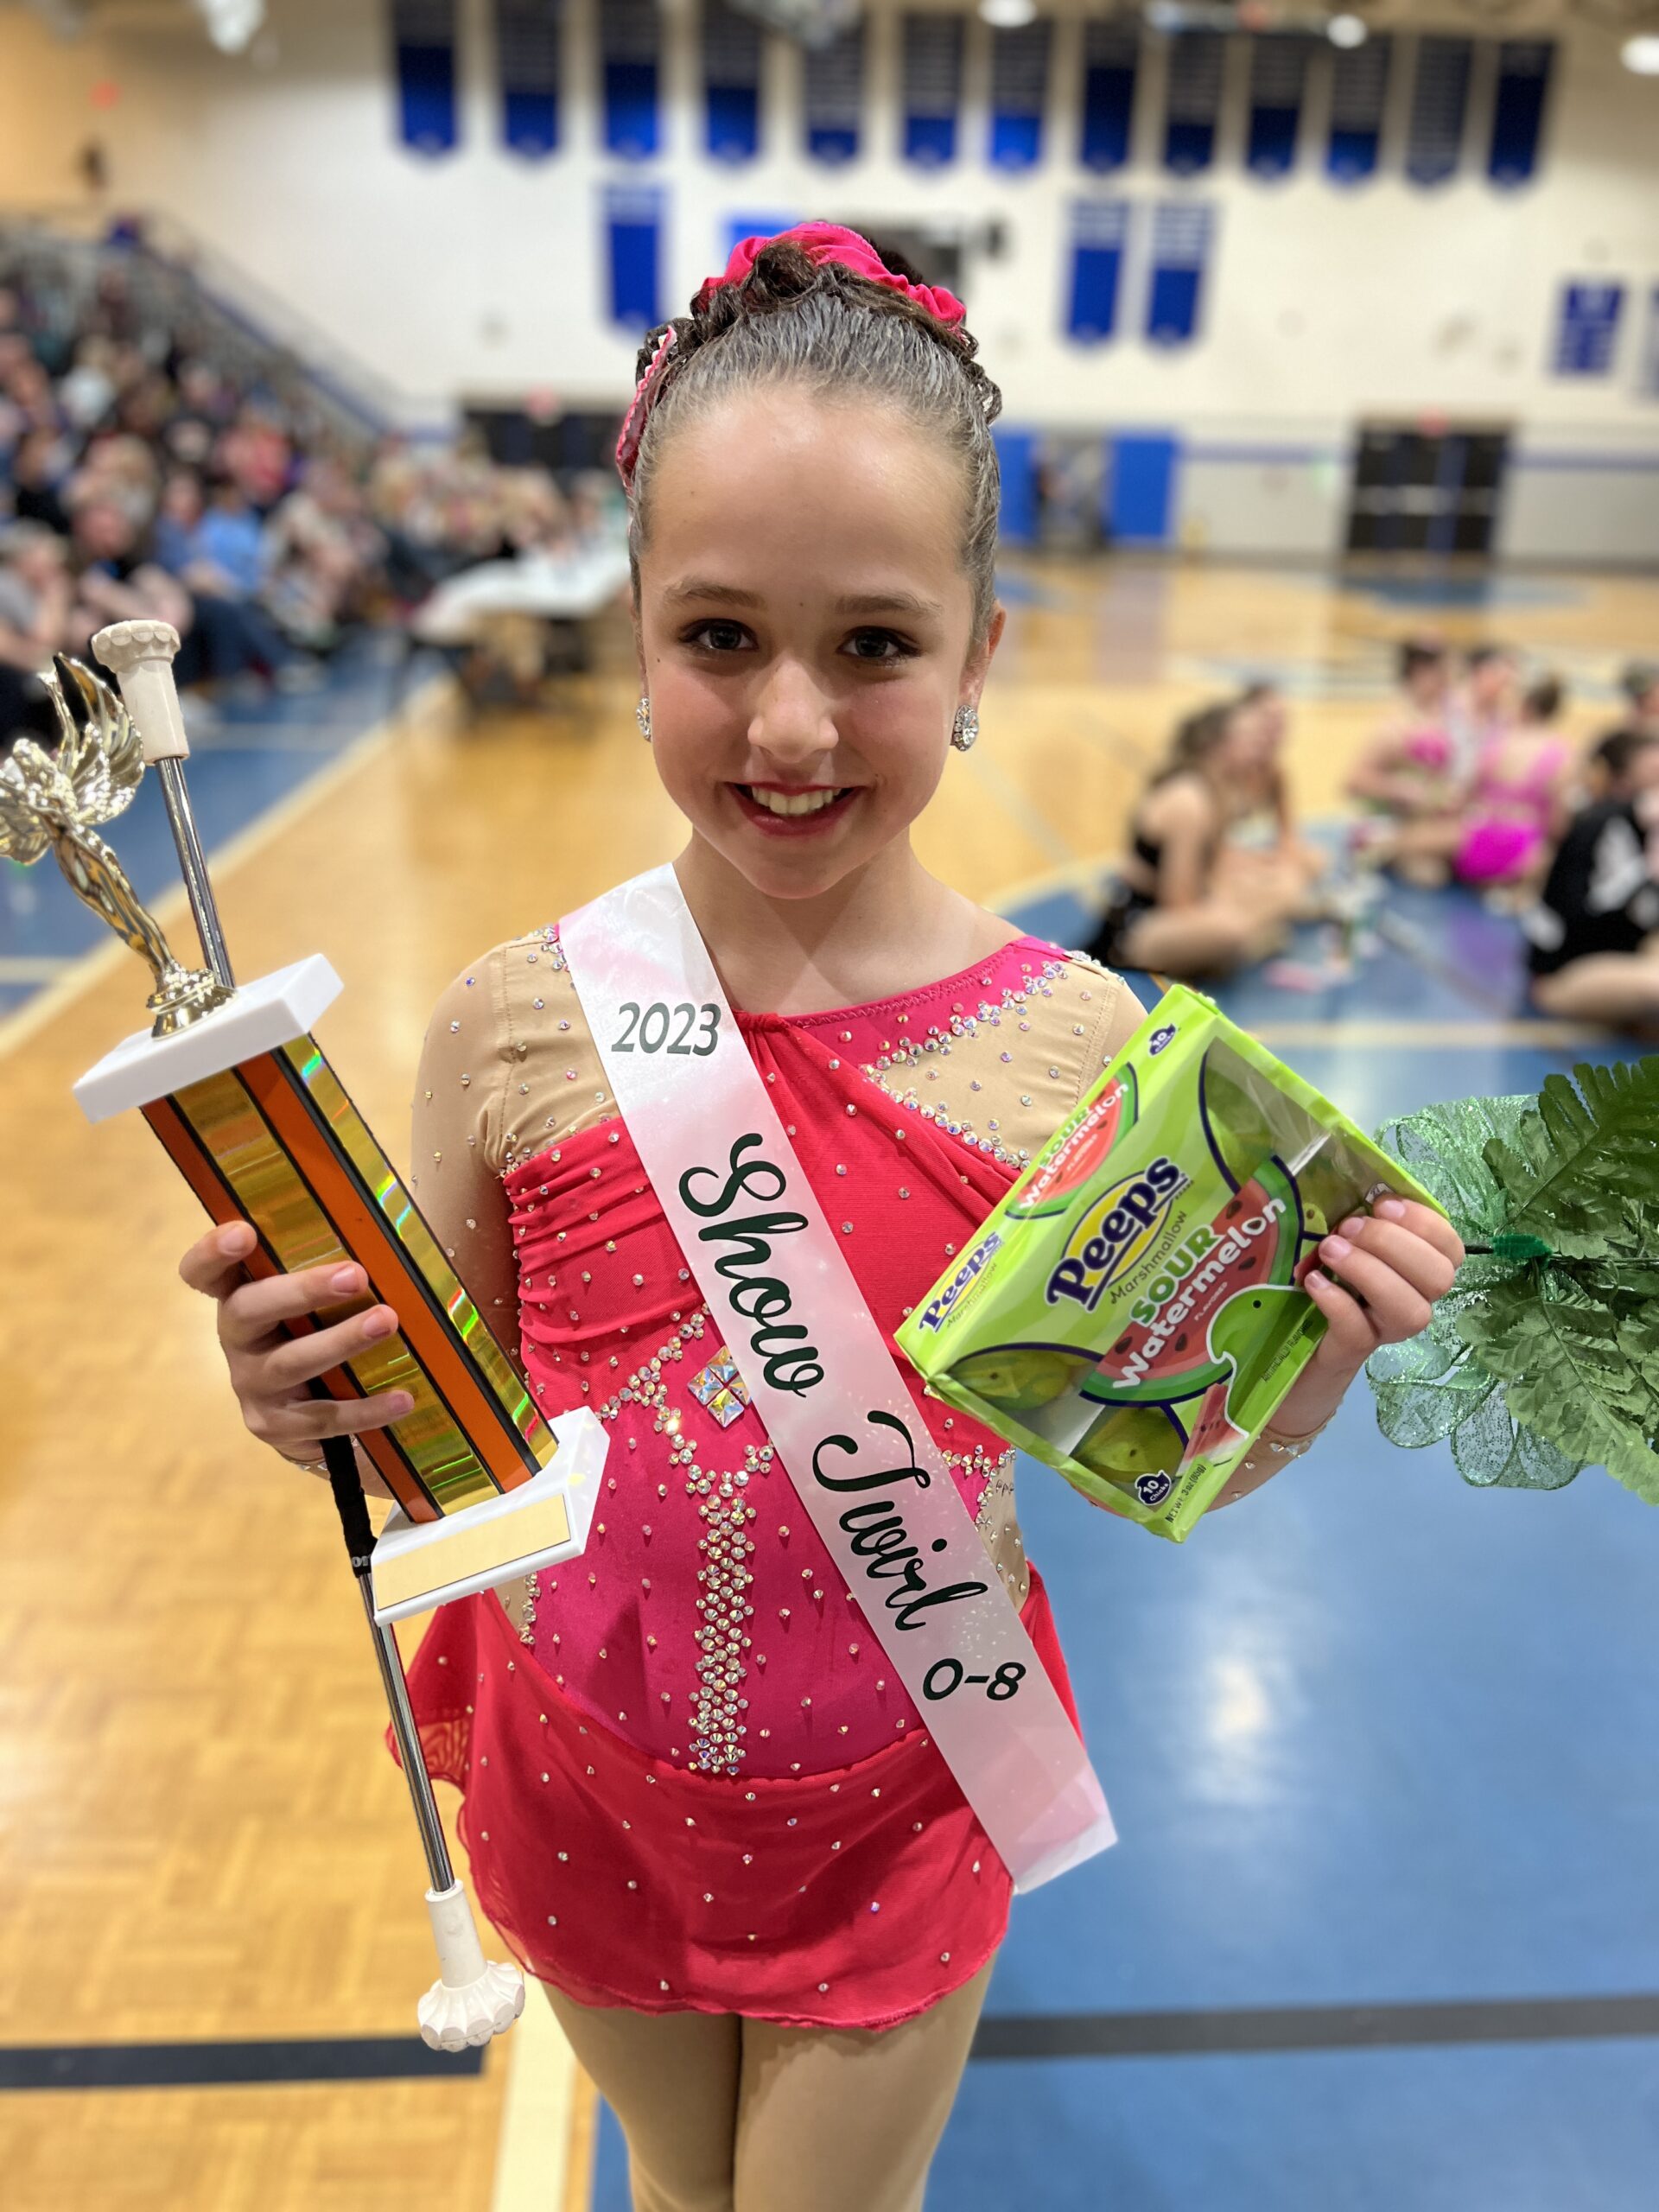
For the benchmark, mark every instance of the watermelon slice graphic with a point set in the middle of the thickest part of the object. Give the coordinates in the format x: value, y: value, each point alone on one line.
x: 1079, y: 1156
x: 1213, y: 1433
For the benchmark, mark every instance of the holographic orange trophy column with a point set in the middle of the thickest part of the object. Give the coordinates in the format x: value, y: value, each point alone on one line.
x: 250, y: 1113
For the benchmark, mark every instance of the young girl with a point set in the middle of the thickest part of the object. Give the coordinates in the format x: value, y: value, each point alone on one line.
x: 1517, y: 806
x: 1511, y: 809
x: 1593, y: 936
x: 698, y: 1802
x: 1186, y: 904
x: 1406, y: 771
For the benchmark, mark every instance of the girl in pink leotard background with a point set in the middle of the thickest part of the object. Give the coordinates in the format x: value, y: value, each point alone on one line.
x: 1516, y: 807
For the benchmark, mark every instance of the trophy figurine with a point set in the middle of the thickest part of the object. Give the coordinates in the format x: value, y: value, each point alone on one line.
x: 238, y: 1091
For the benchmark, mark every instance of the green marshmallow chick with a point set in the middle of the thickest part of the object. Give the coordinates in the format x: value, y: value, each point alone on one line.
x: 1127, y: 1442
x: 1019, y: 1381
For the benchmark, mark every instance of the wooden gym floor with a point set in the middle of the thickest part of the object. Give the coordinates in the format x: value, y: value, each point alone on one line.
x: 200, y: 1841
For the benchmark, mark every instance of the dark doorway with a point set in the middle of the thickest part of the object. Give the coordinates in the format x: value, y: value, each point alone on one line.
x: 1419, y: 492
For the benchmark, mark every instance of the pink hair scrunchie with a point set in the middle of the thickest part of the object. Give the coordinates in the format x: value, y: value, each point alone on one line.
x: 820, y: 242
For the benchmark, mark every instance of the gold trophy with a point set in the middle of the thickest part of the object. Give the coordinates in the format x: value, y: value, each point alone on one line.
x: 238, y: 1091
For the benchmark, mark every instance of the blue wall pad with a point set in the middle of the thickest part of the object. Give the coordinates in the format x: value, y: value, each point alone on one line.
x: 1016, y: 456
x: 1142, y: 489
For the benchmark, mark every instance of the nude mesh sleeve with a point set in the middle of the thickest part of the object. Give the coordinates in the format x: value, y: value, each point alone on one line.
x: 455, y: 1175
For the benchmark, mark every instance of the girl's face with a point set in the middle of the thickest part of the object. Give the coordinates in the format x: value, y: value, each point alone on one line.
x: 1251, y: 743
x: 805, y: 632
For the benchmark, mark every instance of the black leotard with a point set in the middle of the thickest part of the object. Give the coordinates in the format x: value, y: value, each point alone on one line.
x: 1599, y: 896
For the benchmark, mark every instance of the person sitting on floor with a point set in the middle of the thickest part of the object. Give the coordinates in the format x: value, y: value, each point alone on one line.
x: 1184, y: 904
x: 1594, y: 937
x: 1405, y: 772
x: 1517, y: 807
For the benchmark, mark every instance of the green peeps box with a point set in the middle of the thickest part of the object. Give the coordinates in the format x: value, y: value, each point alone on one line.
x: 1131, y: 1313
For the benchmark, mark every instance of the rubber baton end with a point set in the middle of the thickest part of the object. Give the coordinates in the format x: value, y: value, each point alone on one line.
x: 139, y: 655
x: 473, y: 1999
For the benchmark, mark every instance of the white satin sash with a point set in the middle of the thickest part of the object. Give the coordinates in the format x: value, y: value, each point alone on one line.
x: 822, y: 1378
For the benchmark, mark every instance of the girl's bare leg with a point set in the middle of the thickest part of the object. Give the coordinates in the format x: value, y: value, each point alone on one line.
x: 1208, y: 940
x: 847, y: 2120
x: 1618, y: 988
x: 671, y: 2079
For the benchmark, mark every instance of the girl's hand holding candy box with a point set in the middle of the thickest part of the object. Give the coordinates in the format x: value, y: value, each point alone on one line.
x: 1204, y: 1248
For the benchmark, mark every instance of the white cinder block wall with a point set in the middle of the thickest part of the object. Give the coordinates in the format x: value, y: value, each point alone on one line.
x: 480, y: 275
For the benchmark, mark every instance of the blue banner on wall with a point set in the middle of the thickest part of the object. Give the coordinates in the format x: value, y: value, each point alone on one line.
x: 931, y: 63
x: 1111, y: 55
x: 633, y: 227
x: 834, y: 96
x: 1587, y: 330
x: 1019, y: 94
x: 1100, y: 229
x: 1192, y: 101
x: 1439, y: 103
x: 1359, y: 92
x: 1181, y: 233
x: 1279, y: 63
x: 423, y: 45
x: 731, y: 82
x: 628, y: 41
x: 527, y: 63
x: 1524, y: 68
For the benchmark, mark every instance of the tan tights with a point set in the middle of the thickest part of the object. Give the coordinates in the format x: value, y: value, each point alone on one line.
x: 724, y: 2114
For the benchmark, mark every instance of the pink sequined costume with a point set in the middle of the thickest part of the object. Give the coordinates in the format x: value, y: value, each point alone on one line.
x: 691, y: 1780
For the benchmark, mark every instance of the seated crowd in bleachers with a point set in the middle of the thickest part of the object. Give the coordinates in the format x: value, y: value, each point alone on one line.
x: 138, y: 479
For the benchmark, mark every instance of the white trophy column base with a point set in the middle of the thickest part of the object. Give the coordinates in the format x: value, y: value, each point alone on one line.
x: 473, y: 1999
x: 424, y: 1564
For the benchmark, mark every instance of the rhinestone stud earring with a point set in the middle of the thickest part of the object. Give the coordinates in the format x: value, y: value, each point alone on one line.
x: 965, y: 728
x: 642, y: 716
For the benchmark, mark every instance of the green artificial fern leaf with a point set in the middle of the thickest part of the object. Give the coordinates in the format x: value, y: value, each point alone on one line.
x: 1583, y: 1149
x: 1538, y: 1362
x: 1580, y: 1378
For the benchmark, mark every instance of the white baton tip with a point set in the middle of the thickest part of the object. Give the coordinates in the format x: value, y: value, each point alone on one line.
x: 140, y: 656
